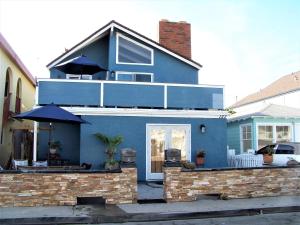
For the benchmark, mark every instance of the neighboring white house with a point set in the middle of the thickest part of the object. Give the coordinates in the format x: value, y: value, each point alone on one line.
x: 285, y: 91
x: 268, y: 116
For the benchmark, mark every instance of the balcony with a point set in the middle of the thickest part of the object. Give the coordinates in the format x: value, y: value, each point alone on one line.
x: 96, y: 93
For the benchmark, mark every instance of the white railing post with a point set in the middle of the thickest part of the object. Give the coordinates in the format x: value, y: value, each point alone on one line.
x: 165, y: 96
x: 35, y: 129
x: 101, y: 94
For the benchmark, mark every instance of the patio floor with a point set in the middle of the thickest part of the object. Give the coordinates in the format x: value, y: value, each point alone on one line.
x: 150, y: 190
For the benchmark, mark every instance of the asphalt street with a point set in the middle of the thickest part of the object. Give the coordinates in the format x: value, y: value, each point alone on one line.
x: 266, y: 219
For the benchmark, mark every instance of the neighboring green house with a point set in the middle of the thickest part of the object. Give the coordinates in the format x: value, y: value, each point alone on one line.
x: 271, y: 124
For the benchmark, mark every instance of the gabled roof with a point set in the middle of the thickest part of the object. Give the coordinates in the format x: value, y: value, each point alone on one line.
x: 111, y: 25
x: 271, y: 110
x: 15, y: 58
x: 283, y: 85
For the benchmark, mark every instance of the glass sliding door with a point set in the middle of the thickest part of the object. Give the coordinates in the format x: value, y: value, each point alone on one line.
x: 161, y: 137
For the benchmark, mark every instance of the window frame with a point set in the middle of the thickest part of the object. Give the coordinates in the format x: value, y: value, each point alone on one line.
x: 273, y: 125
x: 242, y: 139
x: 118, y: 35
x: 133, y: 74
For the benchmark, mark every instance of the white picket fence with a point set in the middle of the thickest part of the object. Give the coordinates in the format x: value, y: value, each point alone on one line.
x: 244, y: 160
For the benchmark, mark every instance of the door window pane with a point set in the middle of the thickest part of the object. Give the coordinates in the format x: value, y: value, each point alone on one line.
x: 178, y: 141
x: 158, y: 143
x: 130, y: 52
x: 265, y: 136
x: 125, y: 77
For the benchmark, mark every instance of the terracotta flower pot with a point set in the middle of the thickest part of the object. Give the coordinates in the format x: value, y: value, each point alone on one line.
x: 200, y: 161
x: 268, y: 159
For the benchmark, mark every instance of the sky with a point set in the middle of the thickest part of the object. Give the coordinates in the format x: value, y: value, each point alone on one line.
x: 242, y: 44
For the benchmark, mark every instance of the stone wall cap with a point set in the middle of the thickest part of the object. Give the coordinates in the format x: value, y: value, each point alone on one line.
x: 58, y: 171
x: 234, y: 168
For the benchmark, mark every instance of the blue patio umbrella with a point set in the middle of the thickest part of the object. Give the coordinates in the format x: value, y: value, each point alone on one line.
x: 50, y: 113
x: 80, y: 65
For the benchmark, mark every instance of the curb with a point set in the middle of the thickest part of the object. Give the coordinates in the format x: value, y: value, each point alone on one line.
x: 146, y: 217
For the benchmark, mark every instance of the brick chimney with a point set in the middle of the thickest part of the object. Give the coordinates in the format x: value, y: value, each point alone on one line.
x: 176, y: 36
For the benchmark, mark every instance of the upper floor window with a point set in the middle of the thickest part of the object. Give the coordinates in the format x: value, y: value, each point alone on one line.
x: 132, y: 52
x: 134, y: 76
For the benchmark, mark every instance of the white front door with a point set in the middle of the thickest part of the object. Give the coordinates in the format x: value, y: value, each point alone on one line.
x: 161, y: 137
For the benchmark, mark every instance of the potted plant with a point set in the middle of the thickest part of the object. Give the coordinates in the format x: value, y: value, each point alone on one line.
x: 268, y: 155
x: 200, y: 158
x: 54, y: 146
x: 111, y: 149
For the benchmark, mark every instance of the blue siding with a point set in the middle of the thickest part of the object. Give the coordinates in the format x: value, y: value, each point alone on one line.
x: 97, y: 51
x: 130, y: 95
x: 67, y: 134
x: 192, y: 97
x: 233, y: 134
x: 133, y: 129
x: 66, y: 93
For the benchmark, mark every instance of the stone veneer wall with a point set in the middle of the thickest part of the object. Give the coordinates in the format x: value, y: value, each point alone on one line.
x: 230, y: 183
x: 63, y: 188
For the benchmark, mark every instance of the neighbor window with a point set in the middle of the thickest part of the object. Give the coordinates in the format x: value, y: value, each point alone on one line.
x: 246, y: 140
x: 268, y: 134
x: 283, y: 133
x: 132, y: 52
x: 138, y: 77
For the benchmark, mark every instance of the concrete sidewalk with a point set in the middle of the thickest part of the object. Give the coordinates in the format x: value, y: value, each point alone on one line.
x: 148, y: 212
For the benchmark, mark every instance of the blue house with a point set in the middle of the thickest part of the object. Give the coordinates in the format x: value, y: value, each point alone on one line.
x: 150, y: 95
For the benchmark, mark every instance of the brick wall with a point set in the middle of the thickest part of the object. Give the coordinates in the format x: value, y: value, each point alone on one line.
x: 231, y: 183
x: 49, y: 189
x: 176, y: 36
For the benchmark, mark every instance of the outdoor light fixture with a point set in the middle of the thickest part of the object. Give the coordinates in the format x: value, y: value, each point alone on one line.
x: 202, y: 128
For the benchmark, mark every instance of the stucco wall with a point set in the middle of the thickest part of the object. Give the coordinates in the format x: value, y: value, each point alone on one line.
x: 230, y: 183
x: 28, y: 94
x: 133, y: 129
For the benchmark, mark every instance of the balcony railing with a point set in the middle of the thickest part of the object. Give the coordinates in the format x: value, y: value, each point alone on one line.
x: 129, y: 94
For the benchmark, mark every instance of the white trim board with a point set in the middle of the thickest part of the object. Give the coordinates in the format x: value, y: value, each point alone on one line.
x: 90, y: 111
x: 145, y: 112
x: 113, y: 25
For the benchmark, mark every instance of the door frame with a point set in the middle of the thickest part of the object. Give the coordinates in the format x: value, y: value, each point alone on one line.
x: 148, y: 149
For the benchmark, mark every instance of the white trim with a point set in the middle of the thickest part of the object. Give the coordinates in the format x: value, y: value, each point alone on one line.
x: 133, y: 73
x: 118, y: 35
x: 165, y: 96
x: 91, y: 111
x: 241, y: 137
x: 112, y: 25
x: 274, y: 140
x: 35, y: 129
x: 95, y: 37
x: 167, y: 127
x: 102, y: 95
x: 36, y: 94
x: 135, y: 83
x: 146, y: 112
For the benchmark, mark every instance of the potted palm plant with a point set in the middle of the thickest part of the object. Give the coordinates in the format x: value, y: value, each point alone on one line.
x: 200, y: 158
x: 111, y: 149
x: 268, y: 155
